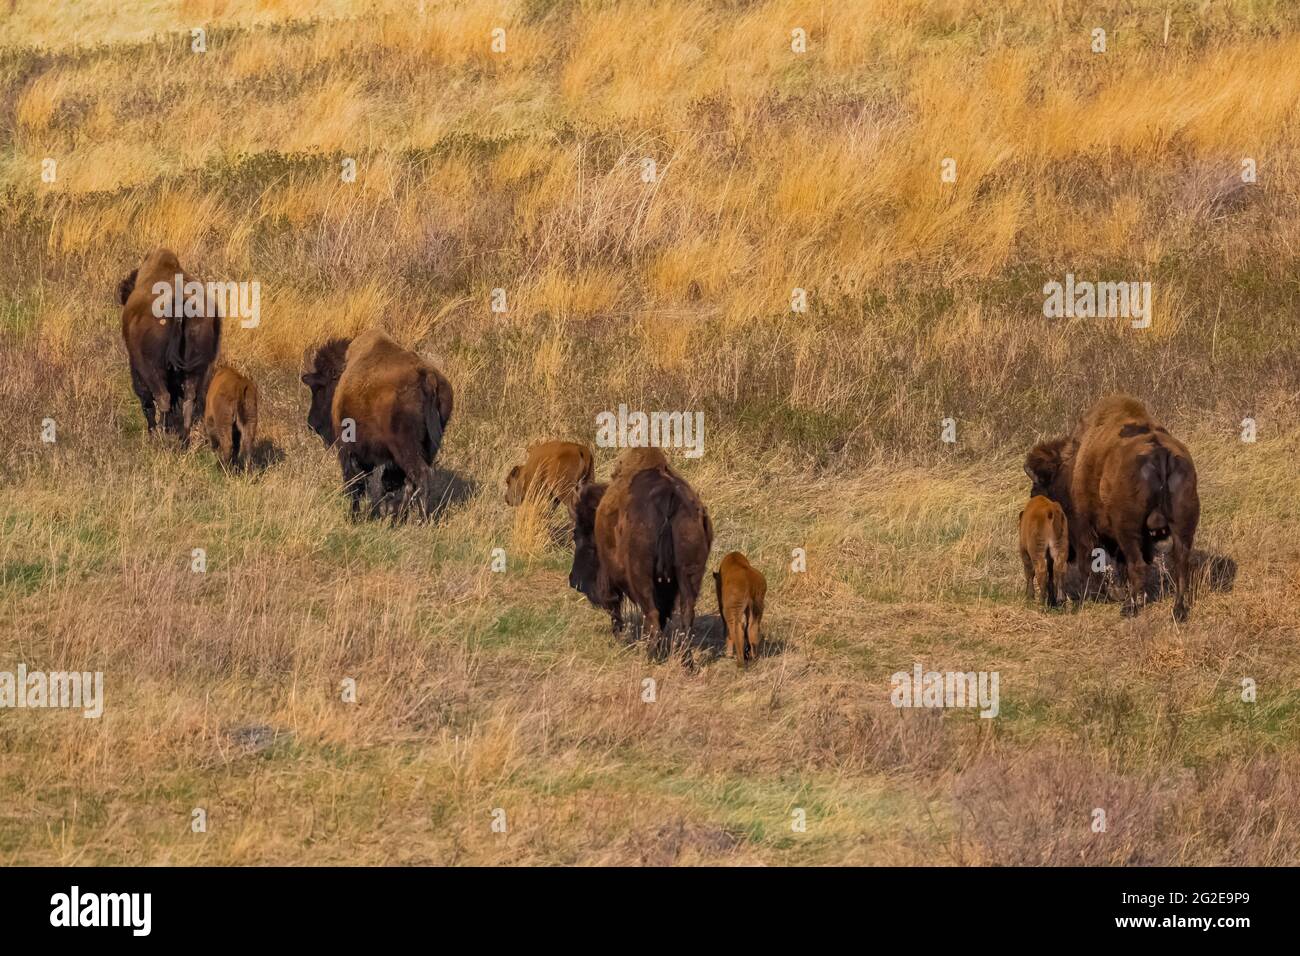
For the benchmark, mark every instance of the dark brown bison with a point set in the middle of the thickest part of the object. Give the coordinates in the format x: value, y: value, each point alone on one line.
x: 386, y: 409
x: 171, y: 344
x: 230, y: 416
x: 554, y: 471
x: 1047, y: 467
x: 1127, y: 486
x: 741, y: 592
x: 646, y: 536
x: 1044, y: 548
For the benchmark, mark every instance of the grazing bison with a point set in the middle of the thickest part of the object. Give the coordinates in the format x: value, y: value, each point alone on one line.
x: 171, y: 353
x: 1044, y: 549
x: 741, y: 590
x: 646, y: 536
x: 231, y: 416
x: 554, y: 470
x: 1128, y: 486
x: 387, y: 410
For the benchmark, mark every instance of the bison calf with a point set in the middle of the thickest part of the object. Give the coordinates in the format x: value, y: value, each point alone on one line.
x: 230, y: 416
x: 741, y: 590
x: 554, y: 471
x: 1044, y: 549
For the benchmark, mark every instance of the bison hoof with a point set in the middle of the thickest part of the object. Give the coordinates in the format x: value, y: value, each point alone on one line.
x: 1130, y: 609
x: 1181, y: 613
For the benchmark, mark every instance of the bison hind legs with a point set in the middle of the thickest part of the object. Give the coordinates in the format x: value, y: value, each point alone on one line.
x: 735, y: 624
x: 1027, y: 564
x: 665, y: 600
x: 238, y: 451
x: 1055, y: 591
x: 753, y: 635
x: 417, y: 495
x: 1182, y: 560
x: 355, y: 482
x: 150, y: 409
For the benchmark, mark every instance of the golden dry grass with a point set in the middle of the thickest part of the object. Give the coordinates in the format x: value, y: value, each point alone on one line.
x: 523, y: 171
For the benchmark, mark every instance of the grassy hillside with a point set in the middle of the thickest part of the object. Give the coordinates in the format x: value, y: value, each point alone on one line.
x: 774, y: 170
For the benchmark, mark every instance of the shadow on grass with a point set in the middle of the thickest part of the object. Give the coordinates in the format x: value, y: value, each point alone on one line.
x: 705, y: 644
x: 1209, y: 571
x: 265, y: 455
x: 450, y: 490
x: 386, y: 489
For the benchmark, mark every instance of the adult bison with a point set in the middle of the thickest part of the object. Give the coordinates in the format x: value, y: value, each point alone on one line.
x: 386, y: 408
x: 171, y: 343
x: 1127, y: 485
x: 646, y: 536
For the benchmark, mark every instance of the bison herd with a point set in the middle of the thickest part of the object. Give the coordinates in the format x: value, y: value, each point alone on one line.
x: 1119, y: 484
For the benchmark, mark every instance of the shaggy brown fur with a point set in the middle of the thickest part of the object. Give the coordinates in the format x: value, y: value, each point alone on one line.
x: 1047, y: 466
x: 1044, y: 549
x: 741, y: 591
x: 555, y: 470
x: 171, y: 356
x: 636, y: 459
x: 646, y: 536
x: 231, y: 416
x: 1134, y: 489
x: 388, y: 411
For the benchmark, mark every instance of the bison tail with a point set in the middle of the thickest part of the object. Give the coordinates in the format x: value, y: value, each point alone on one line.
x: 1162, y: 468
x: 176, y: 342
x: 665, y: 551
x: 126, y: 287
x: 176, y: 350
x: 432, y: 416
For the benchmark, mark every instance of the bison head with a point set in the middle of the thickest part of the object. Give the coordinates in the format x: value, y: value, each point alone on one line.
x: 1048, y: 468
x: 321, y: 374
x: 585, y: 574
x: 514, y: 486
